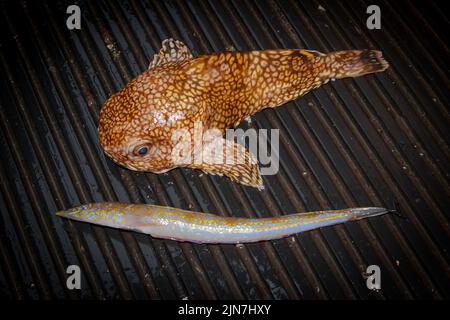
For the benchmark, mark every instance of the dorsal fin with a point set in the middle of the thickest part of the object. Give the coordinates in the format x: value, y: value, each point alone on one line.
x: 172, y: 50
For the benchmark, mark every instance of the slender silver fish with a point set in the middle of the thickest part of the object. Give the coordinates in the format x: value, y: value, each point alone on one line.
x: 183, y: 225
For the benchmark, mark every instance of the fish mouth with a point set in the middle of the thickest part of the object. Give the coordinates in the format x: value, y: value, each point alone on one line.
x: 129, y: 167
x: 143, y: 169
x: 72, y: 212
x: 60, y: 213
x: 162, y: 170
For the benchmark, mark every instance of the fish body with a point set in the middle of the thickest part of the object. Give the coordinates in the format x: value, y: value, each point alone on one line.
x: 141, y: 126
x: 183, y: 225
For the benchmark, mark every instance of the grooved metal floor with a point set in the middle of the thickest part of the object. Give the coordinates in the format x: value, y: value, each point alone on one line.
x: 379, y: 140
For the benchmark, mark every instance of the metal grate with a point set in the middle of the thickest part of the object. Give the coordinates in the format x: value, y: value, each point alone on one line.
x: 376, y: 140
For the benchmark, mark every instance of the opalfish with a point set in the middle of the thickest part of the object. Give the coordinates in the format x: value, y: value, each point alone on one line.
x: 184, y: 225
x: 141, y: 126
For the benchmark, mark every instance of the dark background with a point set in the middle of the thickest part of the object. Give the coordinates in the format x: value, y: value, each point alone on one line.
x: 380, y: 140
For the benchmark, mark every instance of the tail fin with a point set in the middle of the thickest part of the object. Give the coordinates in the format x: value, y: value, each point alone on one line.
x: 355, y: 63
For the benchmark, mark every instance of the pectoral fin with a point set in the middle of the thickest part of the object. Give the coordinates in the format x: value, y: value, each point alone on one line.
x: 225, y: 157
x: 171, y: 51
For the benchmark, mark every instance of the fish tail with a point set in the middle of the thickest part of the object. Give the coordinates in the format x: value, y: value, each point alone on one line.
x: 238, y: 230
x: 286, y: 225
x: 354, y: 63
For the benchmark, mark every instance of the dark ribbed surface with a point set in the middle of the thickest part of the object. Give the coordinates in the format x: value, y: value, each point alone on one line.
x: 381, y: 140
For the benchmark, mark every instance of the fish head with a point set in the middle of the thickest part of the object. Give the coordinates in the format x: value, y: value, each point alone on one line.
x: 137, y: 125
x: 75, y: 212
x: 141, y: 154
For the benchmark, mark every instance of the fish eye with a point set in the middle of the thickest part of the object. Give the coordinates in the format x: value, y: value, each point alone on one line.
x: 142, y: 150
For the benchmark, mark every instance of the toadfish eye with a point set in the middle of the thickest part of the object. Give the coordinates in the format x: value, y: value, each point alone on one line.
x: 143, y: 151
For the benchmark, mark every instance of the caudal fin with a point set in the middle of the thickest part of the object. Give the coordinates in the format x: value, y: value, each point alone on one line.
x: 355, y: 63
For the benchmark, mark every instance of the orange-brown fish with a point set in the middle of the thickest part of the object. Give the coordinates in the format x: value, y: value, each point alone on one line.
x: 138, y: 124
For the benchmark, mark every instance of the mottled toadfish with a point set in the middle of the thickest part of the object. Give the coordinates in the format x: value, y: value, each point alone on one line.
x: 217, y: 91
x: 178, y: 91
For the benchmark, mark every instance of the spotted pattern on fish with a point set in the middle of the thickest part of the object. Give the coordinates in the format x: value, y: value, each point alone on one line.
x: 218, y: 90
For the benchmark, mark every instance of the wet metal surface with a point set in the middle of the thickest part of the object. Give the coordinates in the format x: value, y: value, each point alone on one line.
x: 380, y: 140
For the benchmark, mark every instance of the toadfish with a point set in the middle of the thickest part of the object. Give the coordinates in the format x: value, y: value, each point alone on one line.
x: 140, y: 125
x: 183, y: 225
